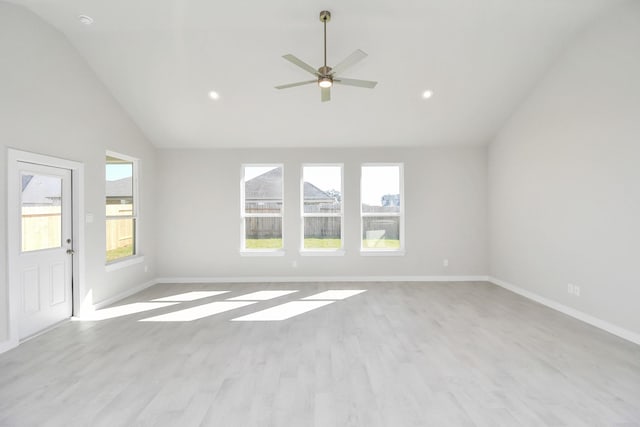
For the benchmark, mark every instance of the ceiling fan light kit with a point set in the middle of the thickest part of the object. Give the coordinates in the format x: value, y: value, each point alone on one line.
x: 325, y: 82
x: 326, y: 76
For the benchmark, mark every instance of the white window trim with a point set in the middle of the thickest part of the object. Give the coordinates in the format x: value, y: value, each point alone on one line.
x: 137, y: 256
x: 378, y: 251
x: 322, y: 252
x: 259, y: 252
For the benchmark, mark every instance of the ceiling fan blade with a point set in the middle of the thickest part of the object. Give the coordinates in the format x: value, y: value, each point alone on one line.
x: 287, y: 86
x: 300, y: 63
x: 350, y: 60
x: 325, y: 94
x: 355, y: 82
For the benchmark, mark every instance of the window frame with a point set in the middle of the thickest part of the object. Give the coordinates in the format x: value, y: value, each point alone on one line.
x: 243, y: 214
x: 319, y: 251
x: 135, y: 214
x: 400, y: 251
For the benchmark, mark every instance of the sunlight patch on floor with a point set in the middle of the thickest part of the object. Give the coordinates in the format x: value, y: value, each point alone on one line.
x: 261, y: 296
x: 334, y: 295
x: 190, y: 296
x: 283, y: 311
x: 199, y: 312
x: 280, y: 312
x: 125, y: 310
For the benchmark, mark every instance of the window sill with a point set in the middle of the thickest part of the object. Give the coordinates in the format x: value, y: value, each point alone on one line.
x: 391, y: 252
x: 123, y: 263
x: 320, y: 252
x: 262, y: 252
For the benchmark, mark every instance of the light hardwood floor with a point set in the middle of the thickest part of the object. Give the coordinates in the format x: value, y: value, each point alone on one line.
x: 399, y: 354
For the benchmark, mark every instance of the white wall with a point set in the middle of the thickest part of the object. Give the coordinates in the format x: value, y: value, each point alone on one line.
x: 564, y: 178
x: 199, y: 207
x: 52, y: 103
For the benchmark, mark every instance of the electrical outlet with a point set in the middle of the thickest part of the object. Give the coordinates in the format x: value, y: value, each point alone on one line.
x: 570, y: 289
x: 445, y: 262
x: 294, y: 264
x: 576, y: 290
x: 146, y: 268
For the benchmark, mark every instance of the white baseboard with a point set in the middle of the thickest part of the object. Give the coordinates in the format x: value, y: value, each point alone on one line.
x: 289, y: 279
x: 587, y: 318
x: 8, y: 345
x: 123, y: 295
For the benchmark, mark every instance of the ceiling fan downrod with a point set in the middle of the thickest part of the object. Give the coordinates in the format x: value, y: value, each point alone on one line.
x: 325, y: 16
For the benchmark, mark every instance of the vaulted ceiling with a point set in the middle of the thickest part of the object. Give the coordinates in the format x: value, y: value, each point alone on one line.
x: 160, y: 59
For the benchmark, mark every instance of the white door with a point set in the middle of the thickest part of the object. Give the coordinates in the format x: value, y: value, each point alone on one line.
x: 45, y: 254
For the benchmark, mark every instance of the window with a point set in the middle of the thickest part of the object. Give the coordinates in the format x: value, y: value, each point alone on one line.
x: 382, y: 208
x: 41, y: 209
x: 121, y: 207
x: 322, y: 207
x: 262, y: 208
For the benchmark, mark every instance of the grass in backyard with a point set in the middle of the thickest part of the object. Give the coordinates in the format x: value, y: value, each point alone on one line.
x: 380, y: 244
x: 118, y: 253
x: 312, y: 243
x: 308, y: 243
x: 263, y: 243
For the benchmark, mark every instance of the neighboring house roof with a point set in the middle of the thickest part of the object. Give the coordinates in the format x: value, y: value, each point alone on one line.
x: 120, y: 188
x: 311, y: 192
x: 268, y: 186
x: 41, y: 191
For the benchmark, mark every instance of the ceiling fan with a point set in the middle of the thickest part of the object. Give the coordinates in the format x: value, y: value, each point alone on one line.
x: 326, y: 76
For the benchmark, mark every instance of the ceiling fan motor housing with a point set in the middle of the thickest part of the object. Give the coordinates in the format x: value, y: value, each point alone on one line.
x: 324, y: 70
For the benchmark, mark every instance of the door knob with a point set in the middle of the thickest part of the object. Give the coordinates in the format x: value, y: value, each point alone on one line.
x: 71, y: 251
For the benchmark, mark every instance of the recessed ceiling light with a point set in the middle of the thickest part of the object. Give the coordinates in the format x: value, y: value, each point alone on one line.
x: 214, y: 95
x: 86, y: 20
x: 427, y: 94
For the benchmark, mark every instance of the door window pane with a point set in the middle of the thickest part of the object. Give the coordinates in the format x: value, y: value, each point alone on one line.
x: 41, y: 212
